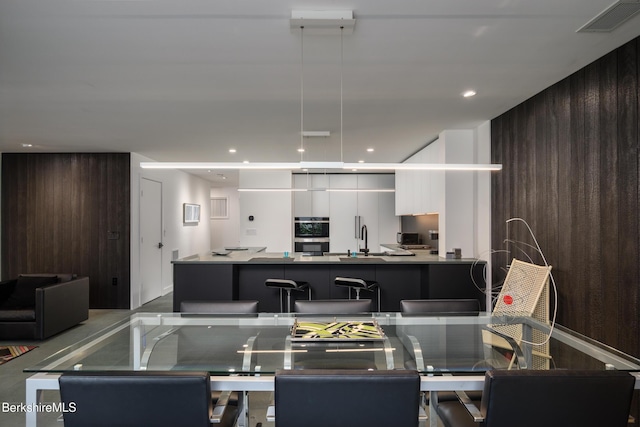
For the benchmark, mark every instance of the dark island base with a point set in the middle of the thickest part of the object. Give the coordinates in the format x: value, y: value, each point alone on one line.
x: 245, y: 281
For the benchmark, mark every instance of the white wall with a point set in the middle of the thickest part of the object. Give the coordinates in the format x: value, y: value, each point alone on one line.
x: 465, y: 214
x: 457, y: 214
x: 272, y: 211
x: 0, y: 213
x: 462, y: 198
x: 226, y: 232
x: 483, y: 202
x: 177, y: 188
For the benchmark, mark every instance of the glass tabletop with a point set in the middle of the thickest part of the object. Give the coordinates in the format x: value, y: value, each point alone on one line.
x: 264, y: 343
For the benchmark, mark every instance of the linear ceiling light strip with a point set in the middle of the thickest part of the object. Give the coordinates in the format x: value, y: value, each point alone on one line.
x: 324, y: 165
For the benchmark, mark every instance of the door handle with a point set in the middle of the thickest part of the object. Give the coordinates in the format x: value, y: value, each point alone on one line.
x: 160, y: 245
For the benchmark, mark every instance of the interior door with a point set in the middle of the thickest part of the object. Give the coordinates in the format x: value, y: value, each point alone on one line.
x: 150, y: 240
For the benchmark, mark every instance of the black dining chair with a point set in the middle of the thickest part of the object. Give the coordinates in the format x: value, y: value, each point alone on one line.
x: 190, y: 341
x: 458, y: 343
x: 440, y: 307
x: 219, y: 307
x: 346, y: 398
x: 449, y: 346
x: 552, y: 398
x: 140, y: 398
x: 332, y: 306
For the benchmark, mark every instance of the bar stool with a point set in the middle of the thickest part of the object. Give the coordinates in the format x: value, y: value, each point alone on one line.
x: 288, y: 286
x: 358, y: 285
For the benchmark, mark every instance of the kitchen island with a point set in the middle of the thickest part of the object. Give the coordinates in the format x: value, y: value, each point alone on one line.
x: 240, y: 275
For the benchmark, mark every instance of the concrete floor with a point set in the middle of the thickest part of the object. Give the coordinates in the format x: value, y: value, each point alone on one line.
x: 12, y: 377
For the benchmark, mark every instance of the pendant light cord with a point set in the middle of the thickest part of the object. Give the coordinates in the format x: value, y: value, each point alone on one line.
x: 301, y: 93
x: 341, y: 72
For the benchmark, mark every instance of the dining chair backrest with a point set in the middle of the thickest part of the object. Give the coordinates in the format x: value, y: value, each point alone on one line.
x: 550, y: 398
x: 346, y: 398
x: 333, y: 306
x: 136, y: 398
x: 219, y: 307
x: 440, y: 307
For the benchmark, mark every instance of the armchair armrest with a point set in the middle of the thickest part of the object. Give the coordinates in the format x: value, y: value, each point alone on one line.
x: 221, y: 406
x: 470, y: 407
x: 61, y: 306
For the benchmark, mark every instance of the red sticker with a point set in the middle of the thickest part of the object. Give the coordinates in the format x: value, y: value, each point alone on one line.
x: 508, y: 299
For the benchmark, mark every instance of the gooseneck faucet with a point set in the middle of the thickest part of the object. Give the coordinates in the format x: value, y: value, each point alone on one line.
x: 364, y: 235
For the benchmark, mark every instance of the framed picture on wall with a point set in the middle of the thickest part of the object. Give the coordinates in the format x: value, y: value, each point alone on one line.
x: 191, y: 213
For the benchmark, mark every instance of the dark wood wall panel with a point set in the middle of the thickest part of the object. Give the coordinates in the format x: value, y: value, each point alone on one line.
x: 571, y: 169
x: 628, y: 202
x: 69, y: 213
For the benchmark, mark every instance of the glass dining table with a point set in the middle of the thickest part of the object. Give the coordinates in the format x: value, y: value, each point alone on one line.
x: 243, y: 352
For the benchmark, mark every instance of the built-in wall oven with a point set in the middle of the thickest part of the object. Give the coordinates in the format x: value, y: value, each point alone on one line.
x: 311, y: 235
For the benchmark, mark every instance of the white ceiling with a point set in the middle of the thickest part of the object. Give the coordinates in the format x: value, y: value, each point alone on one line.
x: 187, y: 80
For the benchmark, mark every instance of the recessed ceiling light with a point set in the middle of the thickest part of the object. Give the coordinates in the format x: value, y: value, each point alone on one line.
x: 370, y: 150
x: 232, y: 150
x: 27, y: 145
x: 360, y: 161
x: 354, y: 170
x: 245, y: 161
x: 300, y: 150
x: 469, y: 93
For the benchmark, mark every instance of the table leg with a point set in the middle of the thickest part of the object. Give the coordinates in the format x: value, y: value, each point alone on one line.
x: 243, y: 410
x: 433, y: 417
x: 34, y: 387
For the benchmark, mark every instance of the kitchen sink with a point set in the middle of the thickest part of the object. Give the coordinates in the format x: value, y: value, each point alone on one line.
x: 362, y: 259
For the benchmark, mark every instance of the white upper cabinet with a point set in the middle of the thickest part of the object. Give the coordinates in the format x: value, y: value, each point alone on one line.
x: 420, y: 191
x: 314, y: 202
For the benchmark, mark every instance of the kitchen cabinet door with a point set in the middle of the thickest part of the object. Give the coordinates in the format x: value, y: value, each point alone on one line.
x: 301, y: 199
x: 320, y: 199
x: 388, y: 222
x: 401, y: 193
x: 420, y: 191
x: 368, y: 209
x: 343, y: 208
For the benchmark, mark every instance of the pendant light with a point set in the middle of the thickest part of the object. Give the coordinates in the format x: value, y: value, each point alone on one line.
x: 321, y: 23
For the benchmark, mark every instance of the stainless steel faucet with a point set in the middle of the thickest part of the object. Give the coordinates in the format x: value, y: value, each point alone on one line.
x: 364, y: 235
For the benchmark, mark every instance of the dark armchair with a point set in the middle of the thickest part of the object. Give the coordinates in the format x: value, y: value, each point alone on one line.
x: 37, y: 306
x: 553, y: 398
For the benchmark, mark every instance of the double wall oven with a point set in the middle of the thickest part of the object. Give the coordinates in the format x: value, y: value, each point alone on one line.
x: 311, y: 235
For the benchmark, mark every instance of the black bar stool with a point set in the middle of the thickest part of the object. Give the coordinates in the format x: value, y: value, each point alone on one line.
x: 288, y: 286
x: 358, y: 285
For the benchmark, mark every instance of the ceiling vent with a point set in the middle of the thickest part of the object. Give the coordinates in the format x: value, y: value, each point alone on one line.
x: 612, y: 17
